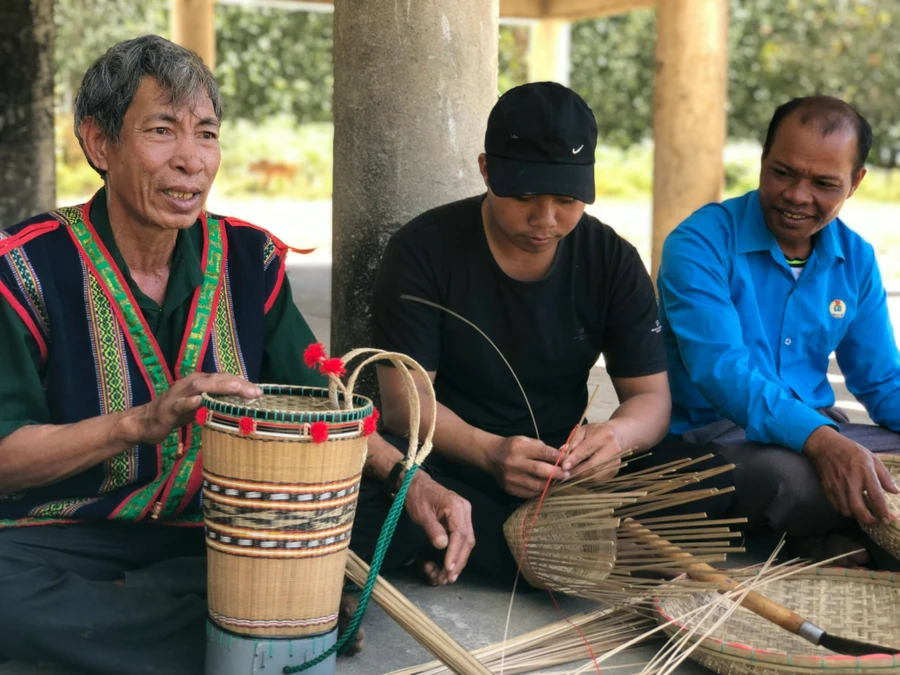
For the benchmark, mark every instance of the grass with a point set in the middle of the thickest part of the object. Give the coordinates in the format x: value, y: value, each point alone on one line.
x: 279, y: 157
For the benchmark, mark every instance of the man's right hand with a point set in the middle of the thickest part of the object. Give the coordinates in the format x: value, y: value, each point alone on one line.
x: 853, y: 478
x: 154, y: 421
x: 522, y: 465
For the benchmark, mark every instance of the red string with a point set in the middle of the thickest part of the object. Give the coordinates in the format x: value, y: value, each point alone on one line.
x: 527, y: 534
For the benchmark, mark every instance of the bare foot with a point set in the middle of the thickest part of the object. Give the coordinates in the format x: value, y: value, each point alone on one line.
x: 851, y: 553
x: 349, y: 603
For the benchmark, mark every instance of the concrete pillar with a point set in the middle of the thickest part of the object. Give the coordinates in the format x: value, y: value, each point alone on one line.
x: 27, y: 165
x: 193, y: 24
x: 414, y: 83
x: 689, y: 96
x: 549, y: 52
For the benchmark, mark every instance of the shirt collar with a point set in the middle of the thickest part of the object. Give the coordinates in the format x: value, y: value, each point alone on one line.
x: 753, y: 235
x: 186, y: 263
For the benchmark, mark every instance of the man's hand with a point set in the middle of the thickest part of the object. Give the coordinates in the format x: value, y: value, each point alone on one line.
x: 522, y: 465
x: 852, y: 477
x: 152, y: 422
x: 594, y: 449
x: 447, y: 520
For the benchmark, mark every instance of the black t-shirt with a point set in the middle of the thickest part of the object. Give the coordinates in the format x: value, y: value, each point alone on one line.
x: 596, y: 298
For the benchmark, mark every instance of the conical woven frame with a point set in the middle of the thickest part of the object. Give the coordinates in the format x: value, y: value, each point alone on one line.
x: 584, y: 541
x: 856, y: 604
x: 279, y: 508
x: 557, y: 553
x: 888, y: 536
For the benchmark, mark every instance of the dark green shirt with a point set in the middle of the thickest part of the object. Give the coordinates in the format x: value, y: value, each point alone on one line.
x: 286, y: 331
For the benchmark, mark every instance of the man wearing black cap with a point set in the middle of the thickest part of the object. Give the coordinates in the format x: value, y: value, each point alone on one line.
x: 553, y: 288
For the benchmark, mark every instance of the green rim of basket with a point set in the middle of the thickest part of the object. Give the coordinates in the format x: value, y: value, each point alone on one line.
x: 362, y: 407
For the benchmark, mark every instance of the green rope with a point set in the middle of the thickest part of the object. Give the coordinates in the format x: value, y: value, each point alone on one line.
x: 384, y: 539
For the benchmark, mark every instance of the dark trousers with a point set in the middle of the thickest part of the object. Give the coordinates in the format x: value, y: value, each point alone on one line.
x: 777, y: 489
x: 491, y: 558
x: 104, y: 598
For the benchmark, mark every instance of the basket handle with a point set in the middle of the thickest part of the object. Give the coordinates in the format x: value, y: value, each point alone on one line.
x: 403, y: 363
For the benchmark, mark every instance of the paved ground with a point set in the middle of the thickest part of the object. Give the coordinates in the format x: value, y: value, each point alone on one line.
x: 474, y: 614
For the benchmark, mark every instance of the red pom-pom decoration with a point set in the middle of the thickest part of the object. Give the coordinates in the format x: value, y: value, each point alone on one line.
x: 247, y: 426
x: 334, y: 367
x: 319, y: 432
x: 369, y: 425
x: 314, y: 354
x: 202, y: 416
x: 375, y: 414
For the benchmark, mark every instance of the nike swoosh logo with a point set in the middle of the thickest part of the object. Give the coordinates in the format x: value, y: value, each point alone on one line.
x: 575, y: 151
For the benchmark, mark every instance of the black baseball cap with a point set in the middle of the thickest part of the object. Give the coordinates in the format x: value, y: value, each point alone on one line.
x: 540, y: 140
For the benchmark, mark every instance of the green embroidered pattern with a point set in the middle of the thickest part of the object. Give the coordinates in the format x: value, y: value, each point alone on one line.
x: 150, y: 358
x: 62, y: 508
x: 112, y: 378
x: 268, y: 252
x: 30, y: 286
x: 213, y: 272
x: 147, y: 352
x: 225, y: 340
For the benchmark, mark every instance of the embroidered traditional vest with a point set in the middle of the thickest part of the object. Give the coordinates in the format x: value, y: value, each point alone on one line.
x: 99, y: 357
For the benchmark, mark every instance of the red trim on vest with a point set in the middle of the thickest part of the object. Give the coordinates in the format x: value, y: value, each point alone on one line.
x: 282, y: 262
x: 31, y: 232
x: 26, y: 319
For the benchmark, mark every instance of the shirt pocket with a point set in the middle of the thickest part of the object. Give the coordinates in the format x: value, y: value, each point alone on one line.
x: 820, y: 343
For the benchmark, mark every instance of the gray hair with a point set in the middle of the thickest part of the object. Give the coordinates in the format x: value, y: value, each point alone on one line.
x: 109, y: 85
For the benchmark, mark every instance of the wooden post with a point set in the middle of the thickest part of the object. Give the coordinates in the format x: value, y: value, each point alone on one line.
x: 689, y: 96
x: 548, y: 52
x: 414, y: 83
x: 194, y: 27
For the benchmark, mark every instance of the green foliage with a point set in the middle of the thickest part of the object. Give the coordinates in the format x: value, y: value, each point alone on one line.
x: 778, y: 50
x: 624, y: 173
x: 512, y: 55
x: 274, y: 62
x: 278, y: 63
x: 85, y: 29
x: 612, y: 68
x: 277, y: 156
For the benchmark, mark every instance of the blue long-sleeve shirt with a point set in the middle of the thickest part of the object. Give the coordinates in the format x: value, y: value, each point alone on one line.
x: 747, y: 342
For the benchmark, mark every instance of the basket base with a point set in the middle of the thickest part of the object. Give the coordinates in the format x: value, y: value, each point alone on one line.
x: 229, y: 654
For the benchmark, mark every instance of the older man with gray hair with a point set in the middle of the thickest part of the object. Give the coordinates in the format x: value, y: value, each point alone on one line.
x: 115, y: 316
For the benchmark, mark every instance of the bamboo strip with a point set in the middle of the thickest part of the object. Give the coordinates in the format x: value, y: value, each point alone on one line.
x: 418, y: 624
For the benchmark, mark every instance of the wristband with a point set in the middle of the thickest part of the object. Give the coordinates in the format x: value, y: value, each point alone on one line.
x: 392, y: 482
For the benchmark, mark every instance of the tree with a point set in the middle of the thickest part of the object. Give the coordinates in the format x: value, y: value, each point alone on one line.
x: 27, y: 177
x: 274, y: 61
x: 612, y: 68
x: 778, y: 50
x: 85, y: 29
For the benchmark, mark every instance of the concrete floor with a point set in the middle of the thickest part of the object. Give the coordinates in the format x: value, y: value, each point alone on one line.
x: 472, y: 613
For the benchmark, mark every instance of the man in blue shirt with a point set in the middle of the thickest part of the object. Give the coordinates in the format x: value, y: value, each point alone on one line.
x: 755, y: 294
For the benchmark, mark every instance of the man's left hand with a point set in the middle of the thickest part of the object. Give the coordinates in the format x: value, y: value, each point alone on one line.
x: 447, y: 520
x: 594, y: 449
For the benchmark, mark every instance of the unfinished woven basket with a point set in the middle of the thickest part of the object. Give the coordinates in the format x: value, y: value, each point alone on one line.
x: 888, y: 536
x: 565, y: 553
x: 855, y: 604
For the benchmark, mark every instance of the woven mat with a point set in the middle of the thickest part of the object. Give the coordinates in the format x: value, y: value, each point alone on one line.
x: 289, y: 403
x: 849, y: 607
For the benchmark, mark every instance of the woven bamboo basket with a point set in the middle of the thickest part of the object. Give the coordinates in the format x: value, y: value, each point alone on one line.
x: 580, y: 546
x: 888, y: 536
x: 281, y: 478
x: 855, y: 604
x: 582, y: 539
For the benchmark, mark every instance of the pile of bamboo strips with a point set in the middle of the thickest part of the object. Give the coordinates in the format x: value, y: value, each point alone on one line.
x: 555, y: 644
